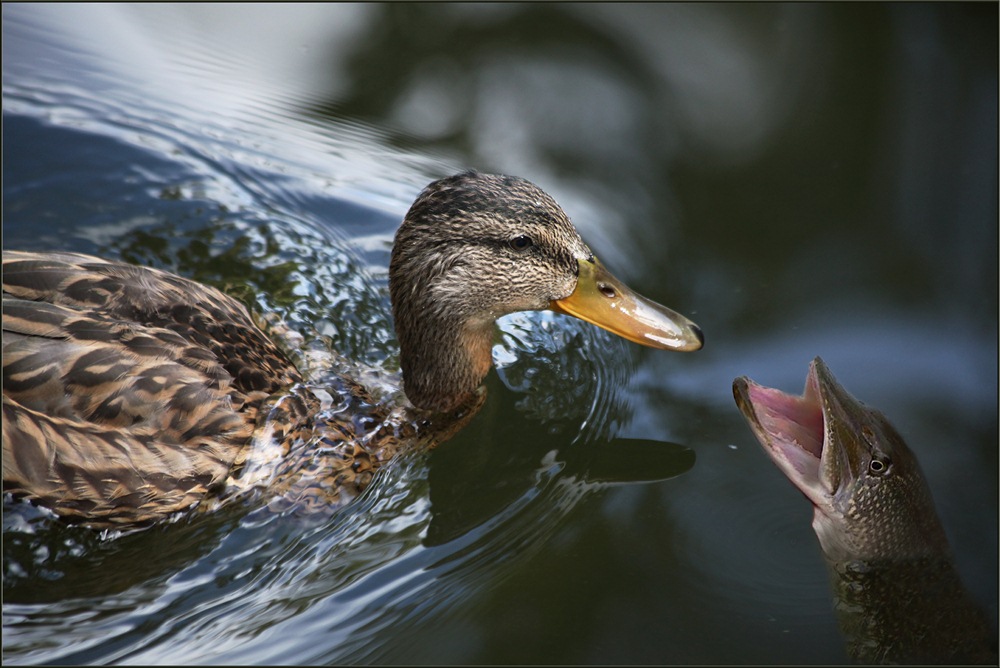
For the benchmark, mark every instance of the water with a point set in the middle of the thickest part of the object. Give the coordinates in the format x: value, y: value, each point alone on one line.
x: 801, y: 180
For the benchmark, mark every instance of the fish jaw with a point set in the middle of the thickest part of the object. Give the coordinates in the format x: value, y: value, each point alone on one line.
x: 812, y: 438
x: 791, y: 430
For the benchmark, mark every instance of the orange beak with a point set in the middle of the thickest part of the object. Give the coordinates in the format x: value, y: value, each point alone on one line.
x: 603, y: 300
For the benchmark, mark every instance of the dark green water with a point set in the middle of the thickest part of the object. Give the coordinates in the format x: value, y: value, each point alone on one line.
x: 800, y: 180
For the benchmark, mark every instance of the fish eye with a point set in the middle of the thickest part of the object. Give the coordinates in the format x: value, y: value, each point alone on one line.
x: 879, y: 465
x: 521, y: 242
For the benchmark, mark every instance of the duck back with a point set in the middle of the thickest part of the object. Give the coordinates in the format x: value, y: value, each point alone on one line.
x: 128, y: 392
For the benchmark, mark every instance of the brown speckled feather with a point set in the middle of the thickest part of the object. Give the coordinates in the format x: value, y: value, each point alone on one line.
x: 131, y: 394
x: 128, y: 392
x: 140, y: 297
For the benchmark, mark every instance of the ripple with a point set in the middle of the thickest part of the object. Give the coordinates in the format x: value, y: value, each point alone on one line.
x: 566, y: 371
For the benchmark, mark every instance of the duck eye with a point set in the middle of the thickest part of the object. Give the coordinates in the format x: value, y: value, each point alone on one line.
x: 521, y: 242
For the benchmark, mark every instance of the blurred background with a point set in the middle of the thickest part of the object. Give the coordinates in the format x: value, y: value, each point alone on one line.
x: 799, y: 179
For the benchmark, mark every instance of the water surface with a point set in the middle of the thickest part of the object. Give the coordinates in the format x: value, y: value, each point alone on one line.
x: 800, y: 180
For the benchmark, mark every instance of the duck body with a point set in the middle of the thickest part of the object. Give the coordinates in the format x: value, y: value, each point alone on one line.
x: 131, y: 394
x: 128, y: 392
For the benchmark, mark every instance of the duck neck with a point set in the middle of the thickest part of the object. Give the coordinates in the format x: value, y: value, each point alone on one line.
x: 443, y: 362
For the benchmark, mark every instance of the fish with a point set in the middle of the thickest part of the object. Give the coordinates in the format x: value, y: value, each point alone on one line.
x: 897, y: 593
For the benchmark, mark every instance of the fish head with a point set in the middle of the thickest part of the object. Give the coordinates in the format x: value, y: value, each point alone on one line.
x: 869, y: 495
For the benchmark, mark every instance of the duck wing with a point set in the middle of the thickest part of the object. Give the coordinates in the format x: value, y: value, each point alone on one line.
x: 128, y: 393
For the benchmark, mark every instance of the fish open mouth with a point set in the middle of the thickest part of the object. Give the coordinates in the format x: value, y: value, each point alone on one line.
x: 791, y: 428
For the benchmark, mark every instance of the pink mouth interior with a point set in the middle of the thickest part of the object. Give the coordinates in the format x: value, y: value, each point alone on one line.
x: 793, y: 426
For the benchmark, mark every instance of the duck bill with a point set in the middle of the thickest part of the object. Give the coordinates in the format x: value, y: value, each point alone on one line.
x: 603, y: 300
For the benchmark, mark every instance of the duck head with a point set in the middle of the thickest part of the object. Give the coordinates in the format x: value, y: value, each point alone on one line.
x: 474, y: 247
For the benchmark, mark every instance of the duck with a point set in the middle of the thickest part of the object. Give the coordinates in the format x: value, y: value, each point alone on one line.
x: 132, y: 395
